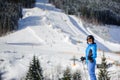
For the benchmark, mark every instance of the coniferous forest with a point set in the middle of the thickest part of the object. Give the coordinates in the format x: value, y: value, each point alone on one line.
x: 11, y: 12
x: 99, y: 11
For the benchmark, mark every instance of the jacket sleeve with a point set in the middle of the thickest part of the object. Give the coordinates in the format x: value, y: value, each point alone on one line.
x: 94, y: 51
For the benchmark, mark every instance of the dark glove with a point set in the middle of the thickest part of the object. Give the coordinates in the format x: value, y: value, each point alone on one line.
x: 82, y: 58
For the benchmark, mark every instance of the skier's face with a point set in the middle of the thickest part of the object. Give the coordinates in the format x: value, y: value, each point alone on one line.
x: 90, y: 41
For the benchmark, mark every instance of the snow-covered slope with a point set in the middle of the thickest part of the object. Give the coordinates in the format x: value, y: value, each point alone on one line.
x: 54, y: 38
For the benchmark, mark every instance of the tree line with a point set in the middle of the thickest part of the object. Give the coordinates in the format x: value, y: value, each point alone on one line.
x: 11, y: 12
x: 99, y: 11
x: 35, y: 72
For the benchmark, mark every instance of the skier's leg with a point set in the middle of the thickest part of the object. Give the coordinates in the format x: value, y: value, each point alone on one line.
x: 91, y: 70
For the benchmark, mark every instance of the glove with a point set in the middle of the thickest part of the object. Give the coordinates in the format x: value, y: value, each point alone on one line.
x: 82, y: 58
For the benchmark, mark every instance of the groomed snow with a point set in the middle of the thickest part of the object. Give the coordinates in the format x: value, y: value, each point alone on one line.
x: 54, y: 38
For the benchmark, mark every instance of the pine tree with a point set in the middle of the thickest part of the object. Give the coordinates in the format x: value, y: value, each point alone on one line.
x: 35, y: 71
x: 67, y: 74
x: 77, y: 75
x: 103, y: 74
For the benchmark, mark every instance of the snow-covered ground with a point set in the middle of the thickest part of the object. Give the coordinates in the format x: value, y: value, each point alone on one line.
x: 54, y: 38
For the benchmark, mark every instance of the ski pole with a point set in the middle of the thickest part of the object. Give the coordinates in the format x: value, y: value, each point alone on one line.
x: 84, y: 72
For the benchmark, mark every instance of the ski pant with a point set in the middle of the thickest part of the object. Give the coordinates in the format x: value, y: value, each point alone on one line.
x: 91, y: 70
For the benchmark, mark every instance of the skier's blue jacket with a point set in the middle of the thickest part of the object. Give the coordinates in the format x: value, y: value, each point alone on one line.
x: 93, y: 47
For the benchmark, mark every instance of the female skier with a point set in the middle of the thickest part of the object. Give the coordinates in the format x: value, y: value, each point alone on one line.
x: 90, y: 57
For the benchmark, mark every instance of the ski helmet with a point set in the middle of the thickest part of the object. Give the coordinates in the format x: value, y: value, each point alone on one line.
x: 90, y: 37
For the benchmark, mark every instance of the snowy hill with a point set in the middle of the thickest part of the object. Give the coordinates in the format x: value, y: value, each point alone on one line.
x: 54, y: 38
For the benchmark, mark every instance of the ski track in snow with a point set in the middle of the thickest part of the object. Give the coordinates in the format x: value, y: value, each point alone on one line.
x: 34, y: 34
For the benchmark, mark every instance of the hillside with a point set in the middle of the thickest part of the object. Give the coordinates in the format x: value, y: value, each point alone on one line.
x: 54, y: 37
x: 92, y: 11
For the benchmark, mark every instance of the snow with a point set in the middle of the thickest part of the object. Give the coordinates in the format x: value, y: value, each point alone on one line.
x: 54, y: 38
